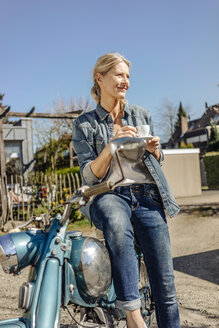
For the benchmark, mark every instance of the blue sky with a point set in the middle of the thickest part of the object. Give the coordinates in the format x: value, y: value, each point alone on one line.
x: 49, y: 47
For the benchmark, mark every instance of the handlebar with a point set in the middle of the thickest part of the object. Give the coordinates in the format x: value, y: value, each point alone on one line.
x: 97, y: 189
x: 85, y: 193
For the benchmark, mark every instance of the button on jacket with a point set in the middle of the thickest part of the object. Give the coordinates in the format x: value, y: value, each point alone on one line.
x: 92, y: 132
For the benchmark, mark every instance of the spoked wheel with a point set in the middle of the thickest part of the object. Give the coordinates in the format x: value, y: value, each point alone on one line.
x: 148, y: 305
x: 96, y: 317
x: 143, y: 277
x: 91, y: 318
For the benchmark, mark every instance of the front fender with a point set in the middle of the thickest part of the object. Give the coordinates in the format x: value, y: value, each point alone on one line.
x: 14, y: 323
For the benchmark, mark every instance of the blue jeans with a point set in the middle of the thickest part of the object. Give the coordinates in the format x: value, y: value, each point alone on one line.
x: 138, y: 210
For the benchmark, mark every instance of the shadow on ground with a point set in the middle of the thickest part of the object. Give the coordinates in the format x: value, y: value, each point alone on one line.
x: 202, y: 265
x: 204, y: 326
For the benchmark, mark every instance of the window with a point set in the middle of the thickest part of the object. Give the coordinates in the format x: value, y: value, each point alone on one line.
x: 13, y: 157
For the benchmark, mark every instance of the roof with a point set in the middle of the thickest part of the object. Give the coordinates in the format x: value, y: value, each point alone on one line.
x: 195, y: 127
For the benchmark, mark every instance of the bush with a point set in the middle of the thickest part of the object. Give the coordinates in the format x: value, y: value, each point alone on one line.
x: 184, y: 145
x: 75, y: 215
x: 53, y: 189
x: 68, y: 170
x: 211, y: 161
x: 213, y: 146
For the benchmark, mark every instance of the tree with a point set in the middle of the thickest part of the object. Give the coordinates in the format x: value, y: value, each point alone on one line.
x: 213, y: 133
x: 180, y: 113
x: 50, y: 156
x: 168, y: 118
x: 214, y: 139
x: 59, y: 106
x: 165, y: 122
x: 52, y: 137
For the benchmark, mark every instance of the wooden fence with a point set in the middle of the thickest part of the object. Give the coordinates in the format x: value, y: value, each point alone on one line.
x: 30, y: 195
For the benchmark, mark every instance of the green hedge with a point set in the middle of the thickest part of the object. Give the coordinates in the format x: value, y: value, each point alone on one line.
x: 213, y: 146
x: 68, y: 170
x: 211, y: 161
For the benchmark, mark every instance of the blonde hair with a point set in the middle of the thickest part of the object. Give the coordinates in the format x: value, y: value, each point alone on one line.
x: 103, y: 66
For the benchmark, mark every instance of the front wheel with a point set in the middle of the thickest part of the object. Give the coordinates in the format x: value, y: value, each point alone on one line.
x: 92, y: 318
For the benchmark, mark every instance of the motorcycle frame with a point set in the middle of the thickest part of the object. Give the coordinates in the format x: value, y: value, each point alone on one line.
x: 49, y: 277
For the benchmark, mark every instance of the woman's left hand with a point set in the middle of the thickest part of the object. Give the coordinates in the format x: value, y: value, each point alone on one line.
x: 153, y: 144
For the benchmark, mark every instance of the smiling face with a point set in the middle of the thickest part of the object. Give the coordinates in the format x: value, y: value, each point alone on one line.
x: 115, y: 82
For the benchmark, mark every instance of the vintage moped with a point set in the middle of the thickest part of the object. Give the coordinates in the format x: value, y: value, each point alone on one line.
x: 69, y: 270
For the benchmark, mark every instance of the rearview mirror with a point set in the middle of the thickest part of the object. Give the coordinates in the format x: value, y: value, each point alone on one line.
x: 130, y: 148
x: 126, y: 152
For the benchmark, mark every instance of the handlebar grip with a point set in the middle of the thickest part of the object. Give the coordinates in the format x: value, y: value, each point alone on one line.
x: 97, y: 189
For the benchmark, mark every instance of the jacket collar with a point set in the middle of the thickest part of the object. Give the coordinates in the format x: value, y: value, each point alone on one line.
x: 102, y: 113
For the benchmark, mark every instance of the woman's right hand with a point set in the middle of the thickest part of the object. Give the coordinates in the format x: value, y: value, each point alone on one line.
x: 125, y: 131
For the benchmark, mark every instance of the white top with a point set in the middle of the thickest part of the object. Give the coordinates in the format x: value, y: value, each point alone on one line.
x: 134, y: 172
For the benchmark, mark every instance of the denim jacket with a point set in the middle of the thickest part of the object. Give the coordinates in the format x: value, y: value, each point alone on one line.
x: 92, y: 132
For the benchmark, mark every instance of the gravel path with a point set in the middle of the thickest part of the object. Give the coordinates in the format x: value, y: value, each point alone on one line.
x: 195, y: 244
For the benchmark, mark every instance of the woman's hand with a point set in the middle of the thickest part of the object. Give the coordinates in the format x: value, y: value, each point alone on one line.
x: 152, y: 147
x: 125, y: 131
x: 153, y: 144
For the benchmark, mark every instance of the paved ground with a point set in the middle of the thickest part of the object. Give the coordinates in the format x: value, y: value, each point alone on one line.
x: 207, y: 197
x: 195, y: 245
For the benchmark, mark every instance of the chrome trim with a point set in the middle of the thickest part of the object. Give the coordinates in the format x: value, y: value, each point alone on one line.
x: 25, y: 293
x: 35, y: 230
x: 74, y: 234
x: 8, y: 254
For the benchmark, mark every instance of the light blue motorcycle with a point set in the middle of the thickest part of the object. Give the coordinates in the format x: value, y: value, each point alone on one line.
x: 70, y: 270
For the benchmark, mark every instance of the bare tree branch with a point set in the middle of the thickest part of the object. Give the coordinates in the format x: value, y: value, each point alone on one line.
x: 46, y: 130
x: 166, y: 119
x: 59, y: 106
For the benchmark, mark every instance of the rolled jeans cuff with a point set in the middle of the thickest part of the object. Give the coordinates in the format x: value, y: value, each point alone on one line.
x: 129, y: 305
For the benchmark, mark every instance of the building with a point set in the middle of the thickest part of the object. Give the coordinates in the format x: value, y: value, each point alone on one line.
x: 195, y: 132
x: 18, y: 143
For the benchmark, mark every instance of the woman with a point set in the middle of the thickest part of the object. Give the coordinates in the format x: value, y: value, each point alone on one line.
x: 138, y: 207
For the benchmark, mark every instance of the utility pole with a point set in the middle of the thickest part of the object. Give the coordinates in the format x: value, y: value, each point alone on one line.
x: 3, y: 183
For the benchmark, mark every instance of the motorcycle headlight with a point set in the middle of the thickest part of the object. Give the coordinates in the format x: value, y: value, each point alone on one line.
x: 18, y: 250
x: 8, y: 254
x: 91, y: 263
